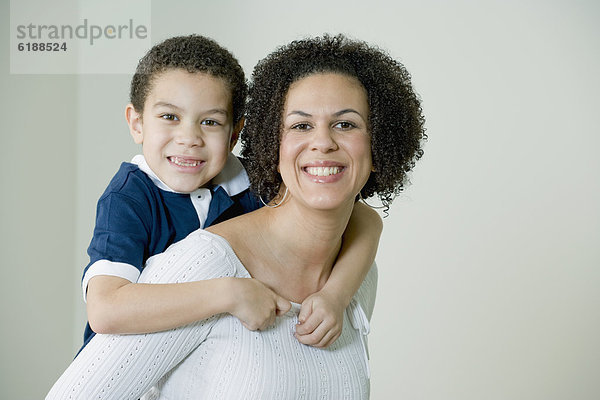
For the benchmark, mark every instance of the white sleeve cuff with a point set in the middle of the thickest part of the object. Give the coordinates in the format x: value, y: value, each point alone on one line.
x: 105, y: 267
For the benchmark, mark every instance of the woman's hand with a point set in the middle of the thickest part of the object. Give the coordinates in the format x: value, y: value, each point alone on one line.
x: 255, y: 305
x: 320, y: 320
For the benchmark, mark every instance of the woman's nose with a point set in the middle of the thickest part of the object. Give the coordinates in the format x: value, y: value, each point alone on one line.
x: 323, y: 139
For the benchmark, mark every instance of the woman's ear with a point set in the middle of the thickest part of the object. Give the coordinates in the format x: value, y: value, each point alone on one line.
x: 134, y: 120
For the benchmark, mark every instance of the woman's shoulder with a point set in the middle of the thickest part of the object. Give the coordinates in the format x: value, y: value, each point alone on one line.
x: 240, y: 233
x: 235, y: 228
x: 199, y: 256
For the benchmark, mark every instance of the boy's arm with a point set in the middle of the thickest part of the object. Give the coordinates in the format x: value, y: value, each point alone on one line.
x: 321, y: 315
x: 117, y: 306
x: 126, y: 366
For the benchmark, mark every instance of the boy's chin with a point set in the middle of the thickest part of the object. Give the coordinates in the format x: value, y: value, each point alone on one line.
x: 183, y: 187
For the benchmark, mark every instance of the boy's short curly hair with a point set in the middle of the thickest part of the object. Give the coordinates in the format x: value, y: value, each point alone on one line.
x: 396, y: 122
x: 193, y: 53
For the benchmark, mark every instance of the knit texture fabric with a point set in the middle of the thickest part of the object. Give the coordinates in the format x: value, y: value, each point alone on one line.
x: 217, y: 358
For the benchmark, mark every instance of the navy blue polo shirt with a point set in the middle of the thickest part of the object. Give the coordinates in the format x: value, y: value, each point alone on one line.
x: 138, y: 217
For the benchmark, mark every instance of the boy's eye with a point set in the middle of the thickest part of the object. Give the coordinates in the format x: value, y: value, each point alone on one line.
x: 344, y: 125
x: 169, y: 117
x: 210, y: 122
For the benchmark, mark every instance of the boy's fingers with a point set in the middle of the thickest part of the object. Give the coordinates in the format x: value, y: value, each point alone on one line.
x: 268, y: 322
x: 305, y: 312
x: 250, y: 328
x: 314, y: 337
x: 311, y: 323
x: 283, y: 306
x: 328, y: 339
x: 324, y: 342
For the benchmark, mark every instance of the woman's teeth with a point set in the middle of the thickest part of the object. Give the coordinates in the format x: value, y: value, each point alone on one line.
x: 323, y: 171
x: 183, y: 162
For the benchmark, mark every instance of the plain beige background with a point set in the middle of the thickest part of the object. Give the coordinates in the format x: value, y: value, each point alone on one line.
x: 489, y: 263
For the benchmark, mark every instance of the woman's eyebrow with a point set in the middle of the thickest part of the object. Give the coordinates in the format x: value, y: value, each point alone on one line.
x: 346, y: 111
x: 336, y: 114
x: 300, y: 113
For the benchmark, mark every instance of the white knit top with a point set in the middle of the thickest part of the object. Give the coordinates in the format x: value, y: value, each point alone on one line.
x: 218, y: 358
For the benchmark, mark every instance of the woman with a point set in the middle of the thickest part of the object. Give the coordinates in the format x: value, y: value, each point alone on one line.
x: 329, y: 120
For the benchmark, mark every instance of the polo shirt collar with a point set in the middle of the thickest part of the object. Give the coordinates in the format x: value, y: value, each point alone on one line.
x: 233, y: 178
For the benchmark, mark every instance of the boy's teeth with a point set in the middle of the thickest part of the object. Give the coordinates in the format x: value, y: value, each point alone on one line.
x: 323, y: 171
x: 183, y: 163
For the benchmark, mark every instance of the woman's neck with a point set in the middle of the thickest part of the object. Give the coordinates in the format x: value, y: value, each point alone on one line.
x: 289, y: 248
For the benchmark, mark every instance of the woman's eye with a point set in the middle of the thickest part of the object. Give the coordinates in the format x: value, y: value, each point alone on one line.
x: 169, y: 117
x: 345, y: 125
x: 301, y: 127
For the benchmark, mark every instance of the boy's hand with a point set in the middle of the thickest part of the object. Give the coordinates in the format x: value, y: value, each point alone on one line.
x: 320, y: 320
x: 255, y: 305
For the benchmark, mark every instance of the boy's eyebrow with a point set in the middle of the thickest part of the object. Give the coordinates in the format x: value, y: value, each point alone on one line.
x: 170, y: 105
x: 217, y: 111
x: 164, y: 104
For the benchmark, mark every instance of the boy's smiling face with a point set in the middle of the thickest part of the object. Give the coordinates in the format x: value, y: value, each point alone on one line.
x: 186, y: 129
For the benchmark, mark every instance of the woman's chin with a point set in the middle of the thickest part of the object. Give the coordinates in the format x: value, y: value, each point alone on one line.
x: 328, y: 203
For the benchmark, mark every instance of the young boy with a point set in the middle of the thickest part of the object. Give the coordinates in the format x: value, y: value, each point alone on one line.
x: 187, y: 105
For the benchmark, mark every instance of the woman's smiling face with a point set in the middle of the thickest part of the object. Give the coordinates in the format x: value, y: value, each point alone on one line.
x: 325, y: 152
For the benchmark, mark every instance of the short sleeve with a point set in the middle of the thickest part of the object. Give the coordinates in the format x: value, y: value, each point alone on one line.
x: 120, y: 242
x: 122, y: 230
x: 122, y: 367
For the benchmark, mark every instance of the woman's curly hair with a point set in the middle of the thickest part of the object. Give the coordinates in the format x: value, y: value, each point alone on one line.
x: 193, y: 53
x: 396, y: 122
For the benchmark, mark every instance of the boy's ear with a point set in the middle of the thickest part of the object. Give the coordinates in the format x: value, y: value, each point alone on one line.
x: 134, y: 120
x: 235, y: 134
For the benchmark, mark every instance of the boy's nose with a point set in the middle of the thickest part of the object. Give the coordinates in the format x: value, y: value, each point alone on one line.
x: 189, y: 136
